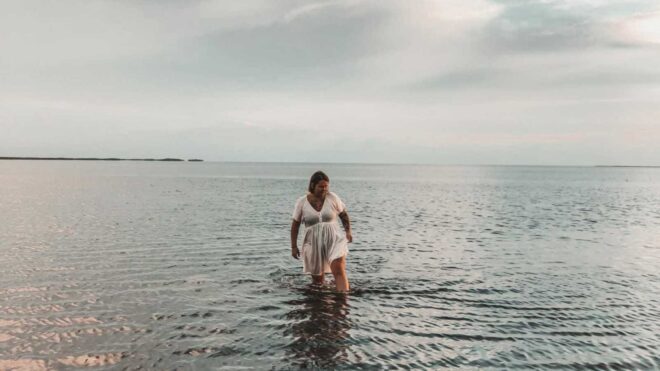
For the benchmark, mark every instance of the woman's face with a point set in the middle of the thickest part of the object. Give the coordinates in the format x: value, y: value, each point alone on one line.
x: 321, y: 188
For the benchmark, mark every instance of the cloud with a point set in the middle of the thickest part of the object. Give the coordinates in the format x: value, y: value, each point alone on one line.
x: 556, y: 25
x: 315, y: 42
x: 640, y: 29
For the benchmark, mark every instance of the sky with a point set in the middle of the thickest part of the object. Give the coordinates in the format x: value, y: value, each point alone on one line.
x: 545, y: 82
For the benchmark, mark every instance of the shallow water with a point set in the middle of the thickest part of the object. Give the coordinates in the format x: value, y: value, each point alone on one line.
x: 131, y: 265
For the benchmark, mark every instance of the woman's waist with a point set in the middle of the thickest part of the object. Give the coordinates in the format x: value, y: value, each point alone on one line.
x: 319, y: 225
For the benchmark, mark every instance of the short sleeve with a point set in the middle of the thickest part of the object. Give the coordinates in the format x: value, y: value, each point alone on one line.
x: 338, y: 204
x: 297, y: 210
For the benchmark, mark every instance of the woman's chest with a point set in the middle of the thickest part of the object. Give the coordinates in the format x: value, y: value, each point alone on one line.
x: 313, y: 216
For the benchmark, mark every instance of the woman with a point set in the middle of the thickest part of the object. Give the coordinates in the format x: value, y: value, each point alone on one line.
x: 324, y: 249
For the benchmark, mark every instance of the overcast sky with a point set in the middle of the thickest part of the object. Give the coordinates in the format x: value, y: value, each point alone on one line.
x: 567, y: 82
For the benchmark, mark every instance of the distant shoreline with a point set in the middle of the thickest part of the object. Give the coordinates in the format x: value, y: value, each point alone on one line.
x: 315, y: 163
x: 99, y: 159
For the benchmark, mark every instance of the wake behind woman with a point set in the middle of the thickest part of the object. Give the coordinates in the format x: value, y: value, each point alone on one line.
x: 324, y: 248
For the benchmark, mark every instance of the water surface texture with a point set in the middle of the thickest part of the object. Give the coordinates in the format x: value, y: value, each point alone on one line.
x: 133, y: 265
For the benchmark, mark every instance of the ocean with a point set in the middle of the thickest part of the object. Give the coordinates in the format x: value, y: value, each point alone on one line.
x: 181, y: 265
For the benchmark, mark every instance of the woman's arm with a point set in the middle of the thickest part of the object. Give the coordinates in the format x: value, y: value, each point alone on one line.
x: 346, y: 222
x: 295, y: 227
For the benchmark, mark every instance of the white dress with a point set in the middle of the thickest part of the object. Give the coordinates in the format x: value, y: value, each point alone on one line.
x: 323, y: 242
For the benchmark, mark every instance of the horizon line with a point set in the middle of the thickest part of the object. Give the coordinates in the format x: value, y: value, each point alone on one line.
x: 196, y: 159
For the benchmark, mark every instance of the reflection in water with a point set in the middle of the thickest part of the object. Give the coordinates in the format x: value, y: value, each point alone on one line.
x: 320, y: 325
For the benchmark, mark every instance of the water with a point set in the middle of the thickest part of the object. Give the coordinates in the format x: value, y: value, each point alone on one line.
x: 132, y: 265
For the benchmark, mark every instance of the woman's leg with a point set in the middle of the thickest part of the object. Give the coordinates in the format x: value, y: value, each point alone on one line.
x: 317, y: 279
x: 338, y: 267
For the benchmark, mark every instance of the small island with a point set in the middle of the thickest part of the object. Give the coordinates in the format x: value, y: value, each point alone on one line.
x: 98, y: 159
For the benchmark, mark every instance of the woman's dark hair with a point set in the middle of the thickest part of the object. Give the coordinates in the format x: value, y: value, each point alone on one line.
x: 317, y: 177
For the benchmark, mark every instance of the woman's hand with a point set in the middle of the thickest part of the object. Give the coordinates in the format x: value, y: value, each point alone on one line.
x: 295, y: 226
x: 295, y: 253
x: 345, y: 220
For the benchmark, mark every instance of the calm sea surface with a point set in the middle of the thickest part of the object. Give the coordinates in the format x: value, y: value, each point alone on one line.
x: 152, y: 265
